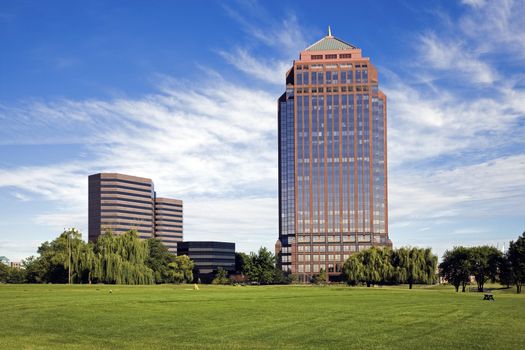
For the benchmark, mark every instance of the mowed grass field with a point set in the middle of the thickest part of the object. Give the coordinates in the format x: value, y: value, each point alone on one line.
x: 252, y: 317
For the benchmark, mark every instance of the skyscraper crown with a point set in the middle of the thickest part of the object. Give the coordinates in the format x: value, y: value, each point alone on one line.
x: 330, y: 42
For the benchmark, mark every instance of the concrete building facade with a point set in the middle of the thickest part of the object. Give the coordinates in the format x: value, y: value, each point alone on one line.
x: 119, y: 203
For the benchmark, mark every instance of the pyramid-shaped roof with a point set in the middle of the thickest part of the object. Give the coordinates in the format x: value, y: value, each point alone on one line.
x: 330, y: 42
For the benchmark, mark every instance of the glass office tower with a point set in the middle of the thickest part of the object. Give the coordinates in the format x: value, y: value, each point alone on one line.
x: 332, y: 160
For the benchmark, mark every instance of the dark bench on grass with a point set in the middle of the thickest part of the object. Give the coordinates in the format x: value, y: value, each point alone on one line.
x: 489, y: 296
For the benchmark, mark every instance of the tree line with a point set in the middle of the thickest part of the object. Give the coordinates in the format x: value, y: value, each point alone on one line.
x: 255, y: 268
x: 383, y: 266
x: 485, y: 263
x: 127, y: 259
x: 112, y: 259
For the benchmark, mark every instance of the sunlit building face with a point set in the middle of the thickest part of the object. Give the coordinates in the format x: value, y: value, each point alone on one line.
x: 332, y: 160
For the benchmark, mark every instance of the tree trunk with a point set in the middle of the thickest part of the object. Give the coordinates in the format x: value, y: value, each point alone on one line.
x: 518, y: 288
x: 463, y: 287
x: 367, y: 284
x: 480, y: 286
x: 410, y: 285
x: 457, y: 287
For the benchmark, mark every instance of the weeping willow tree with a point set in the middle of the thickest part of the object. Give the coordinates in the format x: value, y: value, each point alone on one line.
x: 90, y: 262
x: 386, y: 266
x: 121, y: 259
x: 415, y: 265
x: 354, y: 269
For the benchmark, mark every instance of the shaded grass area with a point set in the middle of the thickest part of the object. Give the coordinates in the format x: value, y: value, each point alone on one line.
x: 270, y: 317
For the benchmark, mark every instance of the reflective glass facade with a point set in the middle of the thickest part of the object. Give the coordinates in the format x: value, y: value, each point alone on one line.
x: 332, y: 160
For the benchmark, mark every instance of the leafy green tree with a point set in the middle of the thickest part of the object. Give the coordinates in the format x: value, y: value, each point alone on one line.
x: 159, y: 259
x: 55, y: 260
x: 281, y: 277
x: 415, y: 265
x: 261, y: 267
x: 35, y: 269
x: 242, y: 263
x: 4, y: 272
x: 90, y: 262
x: 484, y: 264
x: 455, y: 267
x: 430, y: 267
x: 505, y: 271
x: 181, y: 270
x: 16, y: 276
x: 123, y: 259
x: 4, y: 260
x: 516, y: 257
x: 321, y: 278
x: 354, y: 270
x: 221, y: 277
x: 371, y: 262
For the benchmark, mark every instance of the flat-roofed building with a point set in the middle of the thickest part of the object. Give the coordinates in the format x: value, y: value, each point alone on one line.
x: 120, y: 203
x: 168, y: 222
x: 208, y: 257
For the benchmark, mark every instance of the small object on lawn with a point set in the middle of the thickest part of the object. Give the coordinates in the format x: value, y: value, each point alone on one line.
x: 195, y: 286
x: 489, y: 296
x: 110, y: 291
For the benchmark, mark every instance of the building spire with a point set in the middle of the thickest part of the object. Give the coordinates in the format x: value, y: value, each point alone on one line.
x: 329, y: 31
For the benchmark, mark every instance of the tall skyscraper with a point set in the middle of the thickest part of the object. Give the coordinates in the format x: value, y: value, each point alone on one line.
x: 332, y: 160
x: 122, y: 202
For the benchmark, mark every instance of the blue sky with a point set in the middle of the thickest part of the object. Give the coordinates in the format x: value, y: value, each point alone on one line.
x: 185, y: 93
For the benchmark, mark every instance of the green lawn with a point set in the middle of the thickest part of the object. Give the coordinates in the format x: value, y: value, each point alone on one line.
x: 274, y: 317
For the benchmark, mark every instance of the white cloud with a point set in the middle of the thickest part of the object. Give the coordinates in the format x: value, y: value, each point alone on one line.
x: 426, y: 125
x: 271, y: 72
x: 453, y: 152
x: 474, y: 3
x: 214, y: 146
x: 16, y: 250
x: 494, y: 188
x: 21, y: 196
x: 452, y: 56
x: 497, y: 26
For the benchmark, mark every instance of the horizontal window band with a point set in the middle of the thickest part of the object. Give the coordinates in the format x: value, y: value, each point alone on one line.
x: 124, y: 228
x: 144, y: 190
x: 168, y: 226
x: 166, y: 231
x: 105, y: 206
x: 133, y: 218
x: 123, y: 193
x: 148, y: 203
x: 146, y: 184
x: 117, y: 212
x: 161, y: 204
x: 168, y: 212
x: 166, y: 220
x: 214, y: 263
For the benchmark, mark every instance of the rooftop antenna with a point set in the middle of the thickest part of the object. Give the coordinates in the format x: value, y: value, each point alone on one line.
x: 329, y: 31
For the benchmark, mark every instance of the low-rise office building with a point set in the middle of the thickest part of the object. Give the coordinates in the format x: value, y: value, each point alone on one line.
x: 120, y: 203
x: 208, y: 257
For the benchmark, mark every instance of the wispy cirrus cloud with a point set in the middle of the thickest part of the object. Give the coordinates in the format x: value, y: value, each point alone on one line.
x: 212, y: 145
x: 284, y: 35
x: 454, y: 151
x: 455, y: 120
x: 450, y: 56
